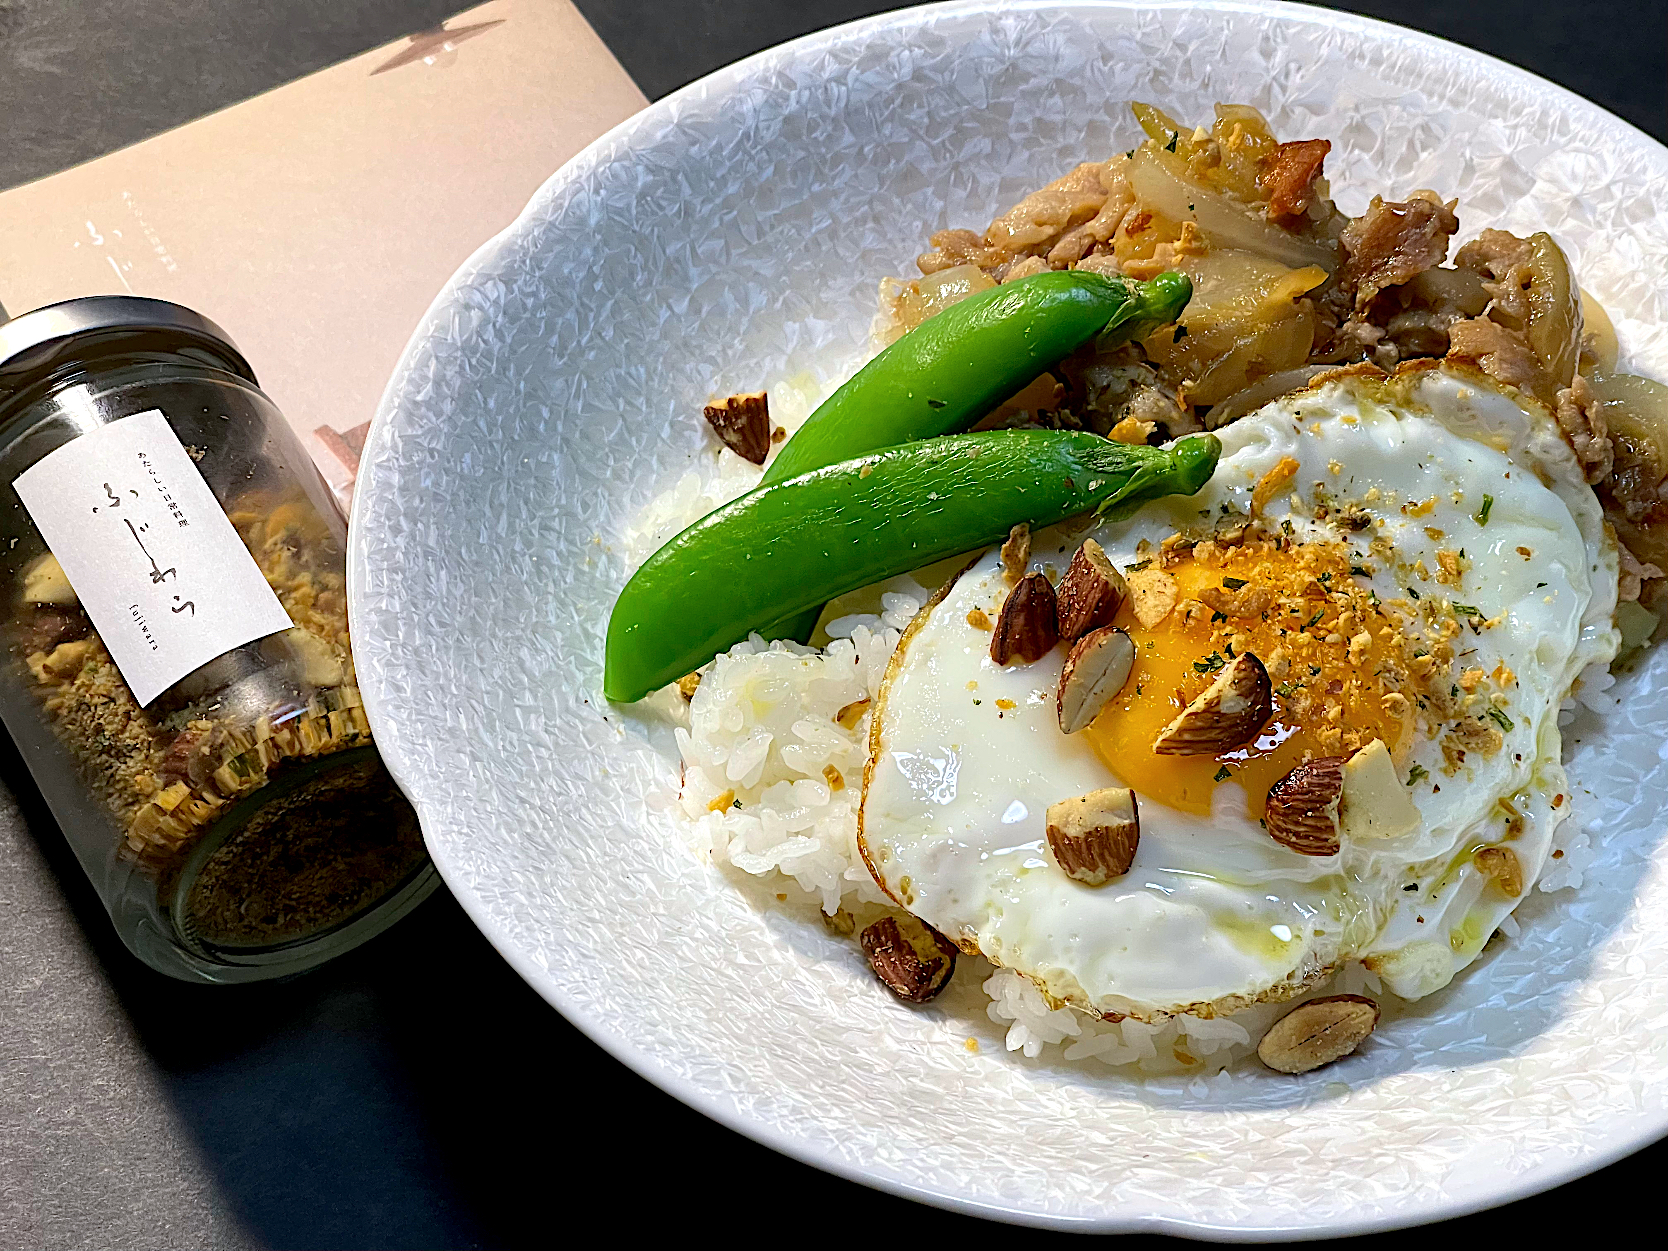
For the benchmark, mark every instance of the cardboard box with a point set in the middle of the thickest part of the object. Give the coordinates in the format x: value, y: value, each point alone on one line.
x: 316, y: 223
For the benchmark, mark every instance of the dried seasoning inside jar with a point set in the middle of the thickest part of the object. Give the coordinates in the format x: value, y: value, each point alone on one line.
x: 261, y: 760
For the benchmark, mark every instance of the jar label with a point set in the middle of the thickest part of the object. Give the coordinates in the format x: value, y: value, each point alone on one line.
x: 149, y: 551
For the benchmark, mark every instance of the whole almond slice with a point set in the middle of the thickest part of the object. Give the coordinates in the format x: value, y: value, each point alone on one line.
x: 1302, y: 808
x: 1025, y: 628
x: 1317, y: 1033
x: 1093, y: 837
x: 1227, y: 714
x: 1090, y: 594
x: 912, y: 959
x: 1096, y: 669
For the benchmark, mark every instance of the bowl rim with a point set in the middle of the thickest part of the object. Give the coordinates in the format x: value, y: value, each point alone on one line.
x: 1463, y: 1199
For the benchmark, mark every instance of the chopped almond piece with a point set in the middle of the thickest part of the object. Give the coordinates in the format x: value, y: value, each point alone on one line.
x: 1248, y: 601
x: 1090, y: 594
x: 742, y: 422
x: 1026, y: 628
x: 1302, y: 808
x: 1093, y: 837
x: 1226, y: 714
x: 1153, y: 594
x: 1317, y: 1033
x: 914, y: 960
x: 1375, y: 803
x: 1096, y: 669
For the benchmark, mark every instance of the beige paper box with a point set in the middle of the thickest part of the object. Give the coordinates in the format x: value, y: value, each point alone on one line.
x: 316, y: 223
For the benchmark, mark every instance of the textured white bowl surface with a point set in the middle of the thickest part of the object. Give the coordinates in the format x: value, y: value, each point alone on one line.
x: 734, y: 233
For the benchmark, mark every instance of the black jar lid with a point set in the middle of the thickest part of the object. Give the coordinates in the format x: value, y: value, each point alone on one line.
x: 32, y: 344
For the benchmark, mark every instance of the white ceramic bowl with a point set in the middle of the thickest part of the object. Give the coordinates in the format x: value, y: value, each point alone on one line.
x: 734, y: 233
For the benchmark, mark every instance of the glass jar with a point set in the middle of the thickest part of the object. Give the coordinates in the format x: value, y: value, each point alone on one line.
x: 239, y: 824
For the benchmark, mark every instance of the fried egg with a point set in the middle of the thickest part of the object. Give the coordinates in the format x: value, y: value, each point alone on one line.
x: 1417, y: 560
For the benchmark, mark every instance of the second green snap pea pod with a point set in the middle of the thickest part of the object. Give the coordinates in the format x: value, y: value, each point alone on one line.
x: 958, y: 365
x: 789, y: 546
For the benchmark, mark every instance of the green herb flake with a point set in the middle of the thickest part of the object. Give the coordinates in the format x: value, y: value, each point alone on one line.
x: 1222, y: 774
x: 1466, y: 610
x: 1412, y: 592
x: 1137, y: 566
x: 1483, y: 512
x: 1181, y: 333
x: 1499, y: 717
x: 1210, y: 664
x: 1171, y: 146
x: 1416, y: 773
x: 1315, y: 620
x: 1234, y: 584
x: 1360, y: 572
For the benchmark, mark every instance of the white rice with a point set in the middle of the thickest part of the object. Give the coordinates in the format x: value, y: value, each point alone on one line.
x: 771, y: 779
x: 771, y: 782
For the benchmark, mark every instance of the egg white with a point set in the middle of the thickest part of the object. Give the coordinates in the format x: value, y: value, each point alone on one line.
x: 966, y: 756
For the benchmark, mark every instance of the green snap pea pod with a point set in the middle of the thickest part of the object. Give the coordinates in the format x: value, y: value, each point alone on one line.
x: 788, y: 546
x: 958, y: 365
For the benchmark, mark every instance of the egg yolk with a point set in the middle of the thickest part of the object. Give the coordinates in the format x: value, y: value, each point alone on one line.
x: 1335, y: 660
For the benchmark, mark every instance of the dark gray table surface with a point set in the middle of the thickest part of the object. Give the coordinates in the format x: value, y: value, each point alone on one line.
x: 416, y: 1093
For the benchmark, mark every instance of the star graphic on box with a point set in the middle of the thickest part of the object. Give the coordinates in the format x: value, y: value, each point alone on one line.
x: 429, y: 46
